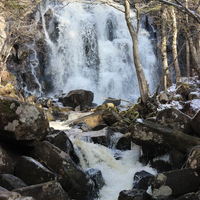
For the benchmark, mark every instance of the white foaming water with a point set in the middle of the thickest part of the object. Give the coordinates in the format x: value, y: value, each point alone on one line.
x: 94, y: 52
x: 118, y: 174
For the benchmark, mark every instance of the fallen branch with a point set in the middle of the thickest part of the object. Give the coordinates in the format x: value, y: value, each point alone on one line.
x: 118, y: 100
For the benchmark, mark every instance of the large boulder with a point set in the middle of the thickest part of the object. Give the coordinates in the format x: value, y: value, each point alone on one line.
x: 21, y: 122
x: 61, y: 140
x: 174, y: 119
x: 32, y: 172
x: 77, y: 97
x: 142, y: 180
x: 175, y: 183
x: 72, y: 178
x: 111, y: 116
x: 145, y: 132
x: 45, y: 191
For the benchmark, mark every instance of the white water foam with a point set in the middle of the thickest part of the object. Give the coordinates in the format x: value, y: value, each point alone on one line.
x: 118, y: 174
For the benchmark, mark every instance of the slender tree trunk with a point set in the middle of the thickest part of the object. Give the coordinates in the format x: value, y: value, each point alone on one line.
x: 138, y: 66
x: 174, y: 46
x: 194, y: 54
x: 164, y: 45
x: 187, y: 49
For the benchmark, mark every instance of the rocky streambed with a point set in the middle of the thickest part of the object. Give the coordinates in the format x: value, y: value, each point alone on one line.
x: 40, y: 162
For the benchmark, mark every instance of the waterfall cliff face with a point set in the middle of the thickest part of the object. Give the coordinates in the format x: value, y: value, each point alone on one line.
x: 90, y: 48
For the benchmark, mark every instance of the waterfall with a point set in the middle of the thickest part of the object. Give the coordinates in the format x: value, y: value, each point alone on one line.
x: 91, y: 49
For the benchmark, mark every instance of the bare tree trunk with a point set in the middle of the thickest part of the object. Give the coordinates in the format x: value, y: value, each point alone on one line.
x: 193, y: 50
x: 174, y: 46
x: 187, y: 47
x: 138, y: 66
x: 164, y: 44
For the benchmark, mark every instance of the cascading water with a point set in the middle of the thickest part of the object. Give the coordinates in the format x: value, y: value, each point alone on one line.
x: 117, y: 174
x: 92, y: 50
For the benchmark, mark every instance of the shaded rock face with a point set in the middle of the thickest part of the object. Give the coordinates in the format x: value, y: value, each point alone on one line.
x: 22, y: 122
x: 32, y: 172
x: 60, y: 140
x: 174, y: 119
x: 44, y: 191
x: 195, y: 122
x: 78, y: 184
x: 77, y: 97
x: 175, y: 183
x: 11, y: 182
x: 6, y: 164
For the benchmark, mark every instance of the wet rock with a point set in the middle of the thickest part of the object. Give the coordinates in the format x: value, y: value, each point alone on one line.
x: 83, y: 126
x: 44, y: 191
x: 174, y: 119
x: 6, y: 163
x: 134, y: 194
x: 11, y: 182
x: 61, y: 140
x: 111, y: 116
x: 124, y: 142
x: 104, y: 137
x: 142, y: 180
x: 61, y: 163
x: 179, y: 182
x: 195, y: 123
x: 21, y: 122
x: 116, y: 102
x: 32, y: 172
x: 96, y: 176
x: 77, y: 97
